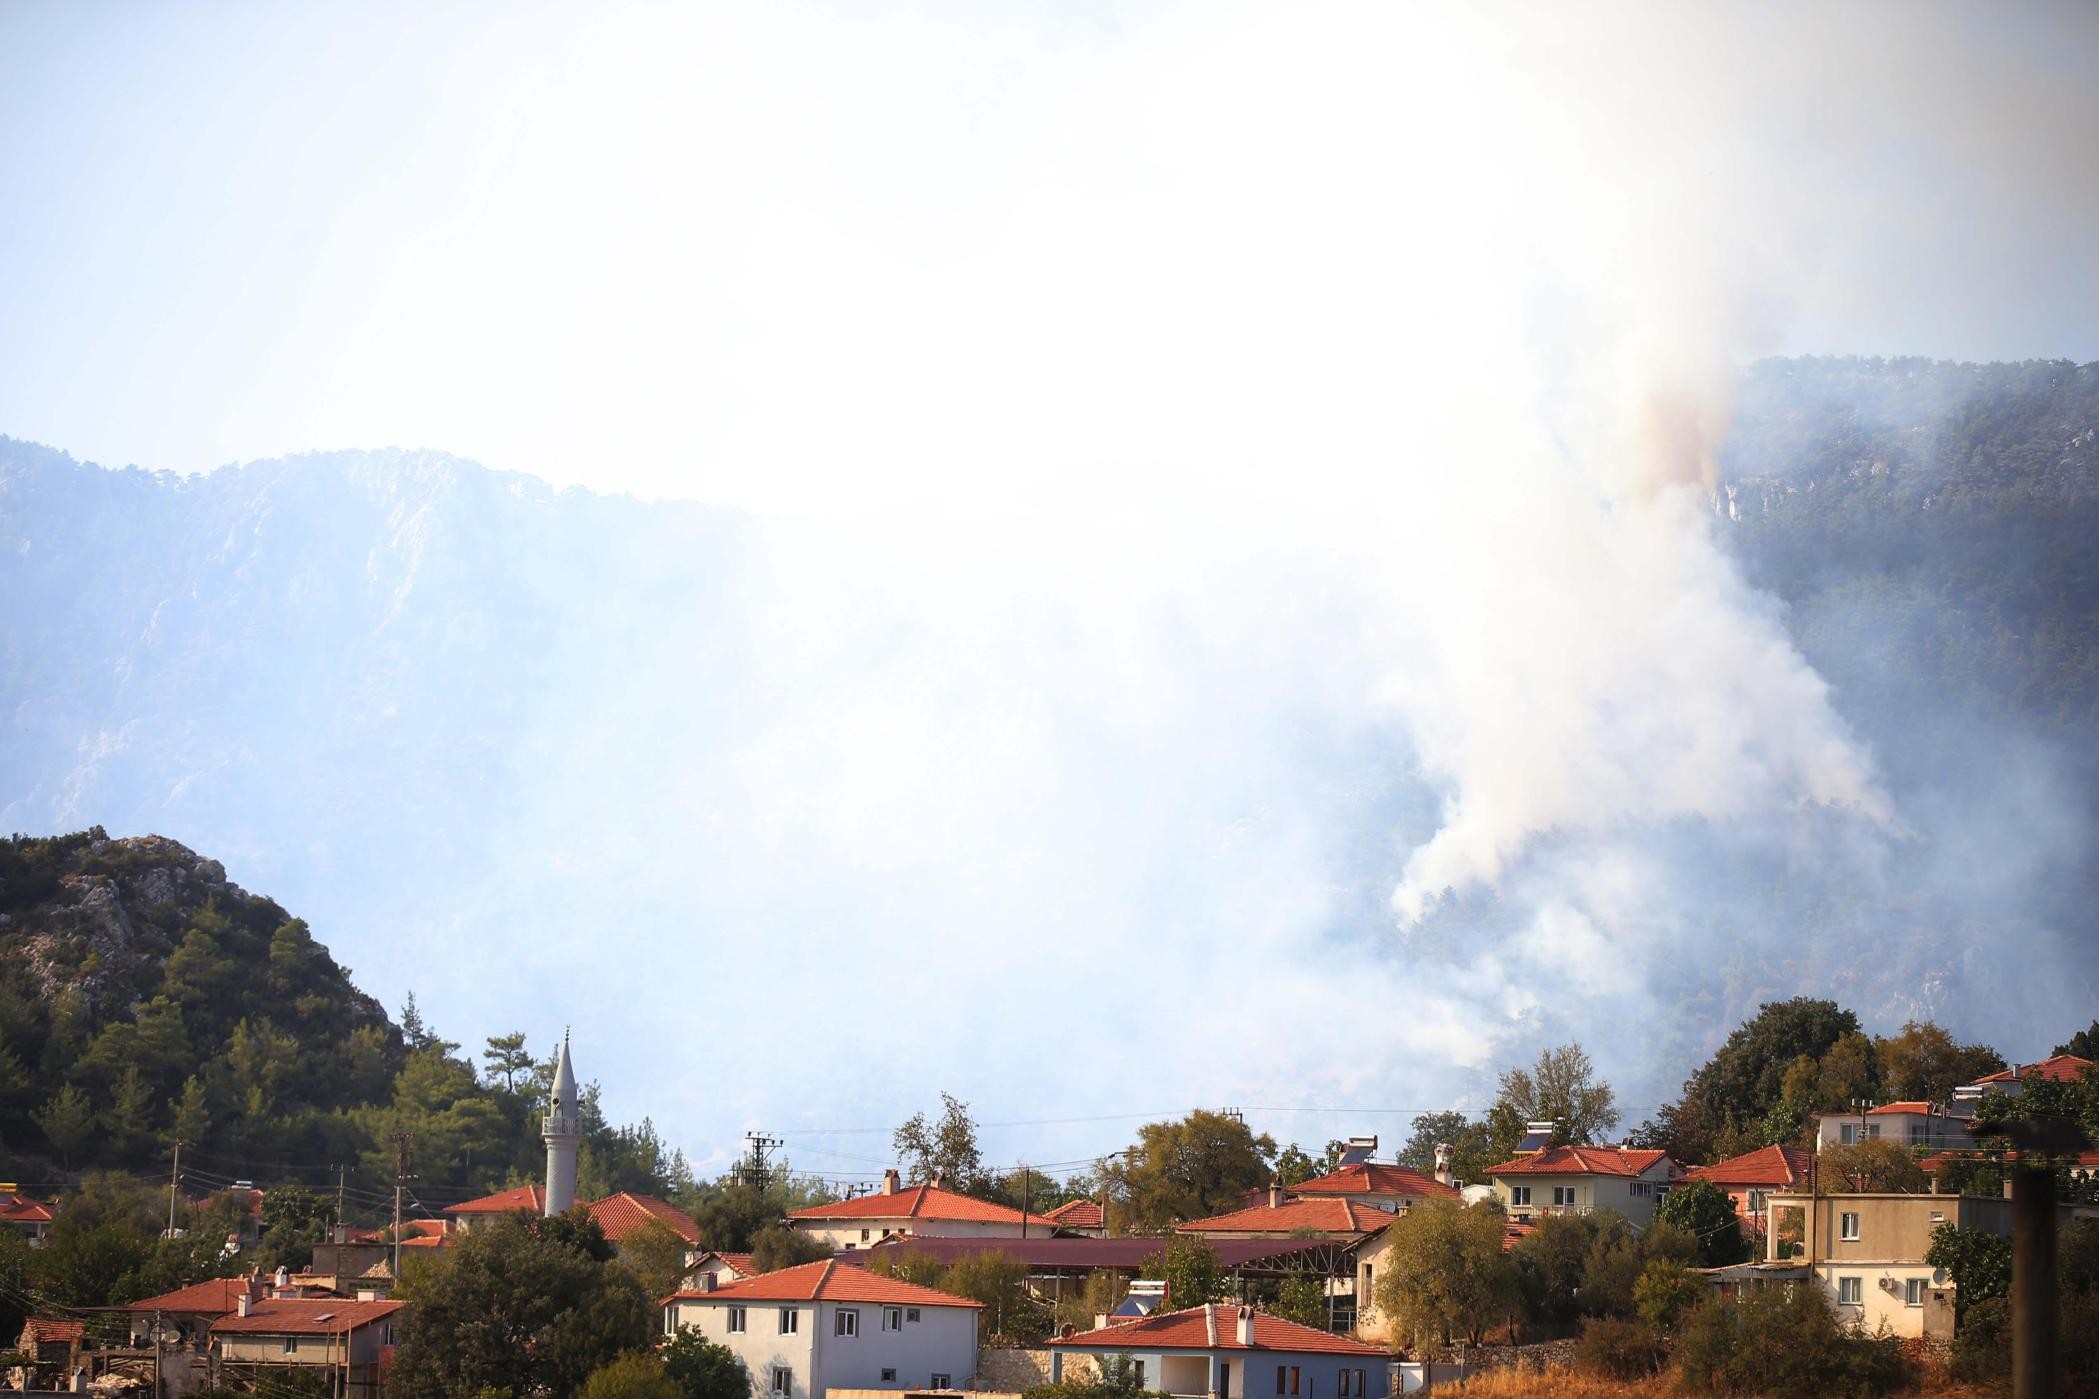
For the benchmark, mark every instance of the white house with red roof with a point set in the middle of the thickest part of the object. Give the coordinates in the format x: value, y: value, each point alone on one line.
x: 1386, y: 1186
x: 1231, y: 1352
x: 29, y: 1218
x: 1753, y: 1177
x: 528, y: 1199
x: 345, y: 1344
x: 1924, y: 1126
x: 1332, y: 1217
x: 923, y: 1211
x: 2059, y: 1068
x: 1583, y: 1179
x: 828, y: 1325
x: 1083, y: 1217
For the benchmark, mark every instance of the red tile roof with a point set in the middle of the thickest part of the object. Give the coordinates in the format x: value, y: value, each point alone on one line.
x: 1328, y: 1215
x: 1376, y: 1178
x: 1939, y: 1160
x: 826, y: 1281
x: 1077, y: 1214
x: 921, y: 1202
x: 739, y: 1263
x: 212, y: 1297
x: 19, y: 1209
x: 2062, y: 1068
x: 51, y: 1331
x: 1921, y: 1109
x: 1515, y: 1232
x: 1190, y: 1329
x: 1581, y: 1161
x: 320, y: 1317
x: 621, y: 1214
x: 1771, y: 1165
x: 530, y: 1198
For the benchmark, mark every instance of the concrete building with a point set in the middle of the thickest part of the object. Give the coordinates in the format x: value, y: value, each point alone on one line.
x: 921, y: 1211
x: 828, y: 1325
x: 1583, y: 1179
x: 1231, y: 1352
x: 1920, y: 1126
x: 1867, y: 1252
x: 345, y: 1344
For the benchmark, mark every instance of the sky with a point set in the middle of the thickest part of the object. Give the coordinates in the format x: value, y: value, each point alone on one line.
x: 1105, y: 323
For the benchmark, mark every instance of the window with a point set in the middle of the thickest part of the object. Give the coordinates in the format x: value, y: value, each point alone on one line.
x: 1286, y: 1379
x: 1850, y: 1292
x: 1642, y: 1190
x: 1913, y: 1292
x: 736, y: 1319
x: 911, y: 1314
x: 892, y: 1318
x: 864, y: 1233
x: 946, y: 1382
x: 790, y: 1321
x: 1519, y: 1194
x: 1756, y: 1201
x: 783, y: 1380
x: 291, y: 1345
x: 1366, y: 1288
x: 1847, y: 1227
x: 847, y: 1322
x: 889, y: 1377
x: 1342, y: 1389
x: 1847, y: 1134
x: 1362, y: 1385
x: 1920, y: 1136
x: 1138, y: 1368
x: 1563, y: 1194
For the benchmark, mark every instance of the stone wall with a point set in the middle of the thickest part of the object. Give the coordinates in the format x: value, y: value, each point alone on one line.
x: 1012, y: 1371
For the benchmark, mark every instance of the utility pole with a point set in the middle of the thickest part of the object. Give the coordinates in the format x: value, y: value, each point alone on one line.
x: 341, y: 1175
x: 174, y: 1181
x: 402, y: 1175
x: 1027, y: 1201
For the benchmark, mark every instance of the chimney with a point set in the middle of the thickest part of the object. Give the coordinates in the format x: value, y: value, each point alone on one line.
x: 1444, y: 1151
x: 1210, y: 1325
x: 284, y: 1276
x: 891, y: 1181
x: 1246, y: 1325
x: 1275, y: 1192
x: 706, y: 1282
x: 244, y: 1303
x: 939, y: 1180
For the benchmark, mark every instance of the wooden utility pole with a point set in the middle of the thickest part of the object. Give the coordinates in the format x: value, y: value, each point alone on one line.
x: 174, y: 1181
x: 402, y: 1175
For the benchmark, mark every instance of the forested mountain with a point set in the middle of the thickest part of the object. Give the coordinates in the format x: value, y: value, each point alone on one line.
x: 143, y: 997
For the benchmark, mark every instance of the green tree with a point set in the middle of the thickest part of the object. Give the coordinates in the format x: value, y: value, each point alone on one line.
x: 703, y: 1369
x: 1190, y: 1269
x: 1446, y: 1274
x: 1979, y: 1263
x: 1921, y: 1062
x: 947, y: 1148
x: 191, y: 1112
x: 1294, y: 1167
x: 1302, y: 1299
x: 1199, y: 1165
x: 655, y: 1253
x: 1471, y: 1143
x: 128, y: 1121
x: 1744, y: 1079
x: 68, y: 1122
x: 2084, y: 1044
x: 637, y: 1375
x: 1705, y: 1212
x: 1551, y: 1261
x: 1873, y: 1166
x: 1561, y: 1087
x: 776, y: 1246
x: 526, y: 1304
x: 1666, y: 1293
x: 1011, y: 1311
x: 507, y: 1057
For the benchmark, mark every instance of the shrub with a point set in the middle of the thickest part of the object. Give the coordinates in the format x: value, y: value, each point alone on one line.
x: 634, y: 1376
x: 1783, y: 1341
x: 1619, y: 1350
x: 1666, y: 1293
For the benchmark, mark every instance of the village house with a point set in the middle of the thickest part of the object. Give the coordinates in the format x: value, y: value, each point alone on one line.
x: 29, y: 1218
x: 1582, y: 1179
x: 721, y: 1267
x: 346, y: 1344
x: 1387, y: 1187
x: 184, y: 1317
x: 1231, y: 1352
x: 1751, y: 1178
x: 2009, y: 1083
x: 525, y: 1199
x: 1331, y: 1218
x: 828, y: 1325
x: 621, y: 1214
x: 1920, y: 1126
x: 927, y: 1210
x: 1083, y: 1217
x: 52, y: 1347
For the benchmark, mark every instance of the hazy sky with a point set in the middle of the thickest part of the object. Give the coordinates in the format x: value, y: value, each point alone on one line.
x: 1090, y: 326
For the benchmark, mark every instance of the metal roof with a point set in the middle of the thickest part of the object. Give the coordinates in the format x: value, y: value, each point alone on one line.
x: 1122, y: 1253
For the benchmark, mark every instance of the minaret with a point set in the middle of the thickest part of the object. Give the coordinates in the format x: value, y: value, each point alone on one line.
x: 563, y: 1133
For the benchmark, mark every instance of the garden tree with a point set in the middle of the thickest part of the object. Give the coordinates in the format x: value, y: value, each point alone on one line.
x: 1872, y: 1166
x: 1743, y: 1081
x: 1550, y: 1261
x: 1666, y: 1293
x: 68, y: 1123
x: 1190, y: 1269
x: 1198, y: 1165
x: 1783, y: 1341
x: 947, y: 1148
x: 1561, y: 1086
x: 1921, y: 1062
x: 730, y: 1212
x: 2084, y: 1044
x: 776, y: 1246
x: 1705, y: 1212
x: 655, y: 1254
x: 1302, y: 1299
x: 531, y: 1305
x: 1472, y: 1145
x: 1294, y: 1167
x: 294, y: 1219
x: 1445, y: 1273
x: 1979, y: 1263
x: 703, y: 1369
x: 910, y: 1266
x: 1100, y: 1296
x: 1025, y: 1187
x: 506, y: 1058
x: 636, y: 1375
x: 1011, y: 1311
x: 1618, y: 1257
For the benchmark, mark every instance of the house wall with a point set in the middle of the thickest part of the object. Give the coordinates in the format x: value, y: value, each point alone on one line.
x: 364, y: 1347
x: 1590, y: 1193
x: 1251, y: 1373
x: 1890, y: 1227
x: 1933, y: 1130
x: 1884, y: 1293
x: 841, y: 1235
x: 943, y: 1341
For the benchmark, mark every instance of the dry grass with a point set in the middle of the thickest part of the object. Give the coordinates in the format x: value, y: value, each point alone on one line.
x: 1559, y: 1383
